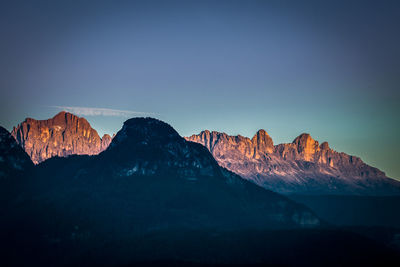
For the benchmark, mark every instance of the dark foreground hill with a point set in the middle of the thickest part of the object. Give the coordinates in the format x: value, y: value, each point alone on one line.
x: 149, y: 179
x: 154, y: 198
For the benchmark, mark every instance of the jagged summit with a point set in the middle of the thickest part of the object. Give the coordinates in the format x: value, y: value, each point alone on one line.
x: 262, y: 132
x: 62, y: 114
x: 303, y: 166
x: 306, y: 146
x: 63, y: 135
x: 303, y: 138
x: 61, y: 118
x: 260, y: 144
x: 324, y: 146
x: 263, y: 142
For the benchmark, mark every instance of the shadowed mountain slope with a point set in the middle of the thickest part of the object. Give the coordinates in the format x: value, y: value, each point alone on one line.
x: 153, y: 198
x: 13, y: 159
x: 160, y: 180
x: 148, y: 179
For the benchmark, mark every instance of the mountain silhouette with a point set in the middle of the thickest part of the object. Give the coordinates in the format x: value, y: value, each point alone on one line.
x: 152, y: 198
x: 149, y: 179
x: 13, y: 159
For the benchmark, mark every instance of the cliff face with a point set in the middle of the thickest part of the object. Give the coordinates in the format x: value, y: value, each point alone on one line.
x: 303, y: 166
x: 64, y: 134
x: 105, y: 142
x: 239, y: 147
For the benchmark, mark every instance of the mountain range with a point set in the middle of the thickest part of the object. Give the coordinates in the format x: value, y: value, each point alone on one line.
x: 154, y: 196
x: 149, y: 179
x: 301, y: 167
x: 189, y: 180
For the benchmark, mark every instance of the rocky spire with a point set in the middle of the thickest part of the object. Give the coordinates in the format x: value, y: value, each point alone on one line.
x: 262, y: 142
x: 306, y: 146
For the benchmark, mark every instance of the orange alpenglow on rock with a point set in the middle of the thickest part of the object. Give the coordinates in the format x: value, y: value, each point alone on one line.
x: 63, y: 135
x: 262, y: 143
x: 303, y: 166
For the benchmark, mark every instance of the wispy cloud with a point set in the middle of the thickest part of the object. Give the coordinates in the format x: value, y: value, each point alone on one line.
x: 87, y: 111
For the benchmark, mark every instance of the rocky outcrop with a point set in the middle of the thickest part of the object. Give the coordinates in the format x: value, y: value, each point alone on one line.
x: 63, y: 135
x: 239, y: 146
x: 303, y: 166
x: 105, y: 141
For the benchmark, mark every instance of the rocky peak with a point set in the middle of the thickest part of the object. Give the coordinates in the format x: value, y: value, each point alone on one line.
x: 145, y: 131
x: 64, y: 134
x: 150, y: 146
x: 303, y: 139
x: 209, y: 139
x: 238, y: 146
x: 263, y: 142
x: 261, y: 133
x: 65, y: 117
x: 154, y: 139
x: 105, y: 141
x: 324, y: 146
x: 205, y: 132
x: 306, y: 146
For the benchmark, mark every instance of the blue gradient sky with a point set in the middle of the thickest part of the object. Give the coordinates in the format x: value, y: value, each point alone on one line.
x: 331, y: 69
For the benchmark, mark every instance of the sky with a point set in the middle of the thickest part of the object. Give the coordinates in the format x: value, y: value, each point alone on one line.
x: 328, y: 68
